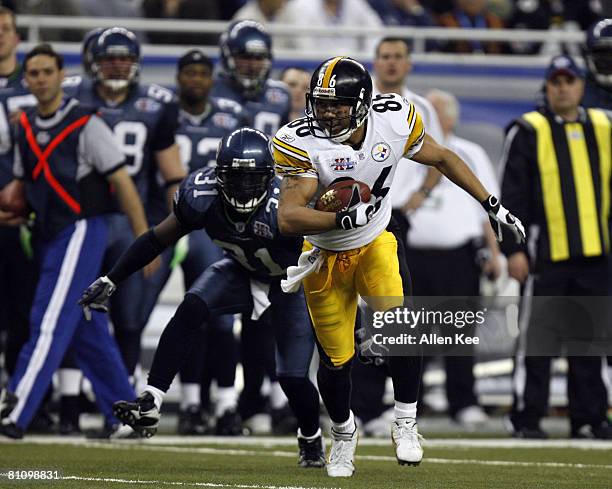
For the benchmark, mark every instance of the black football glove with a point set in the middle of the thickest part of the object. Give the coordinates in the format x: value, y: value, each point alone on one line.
x: 368, y: 352
x: 358, y: 213
x: 96, y: 296
x: 499, y: 215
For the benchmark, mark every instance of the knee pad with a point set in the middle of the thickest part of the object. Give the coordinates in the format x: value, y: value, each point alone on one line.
x: 192, y: 312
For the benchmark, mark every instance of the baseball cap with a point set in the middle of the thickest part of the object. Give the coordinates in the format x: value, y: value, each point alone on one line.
x: 563, y: 65
x: 194, y: 56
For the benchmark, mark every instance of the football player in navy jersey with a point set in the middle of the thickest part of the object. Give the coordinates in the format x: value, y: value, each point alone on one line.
x: 598, y: 57
x: 203, y: 122
x: 18, y: 272
x: 143, y: 118
x: 236, y: 204
x: 246, y: 60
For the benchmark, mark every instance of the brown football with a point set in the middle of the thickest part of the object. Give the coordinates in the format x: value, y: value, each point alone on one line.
x: 12, y: 199
x: 337, y: 196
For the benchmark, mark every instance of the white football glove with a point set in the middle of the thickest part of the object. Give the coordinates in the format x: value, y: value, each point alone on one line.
x: 358, y: 213
x: 500, y: 216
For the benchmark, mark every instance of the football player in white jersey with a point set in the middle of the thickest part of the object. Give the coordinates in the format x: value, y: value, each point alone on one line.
x: 351, y: 253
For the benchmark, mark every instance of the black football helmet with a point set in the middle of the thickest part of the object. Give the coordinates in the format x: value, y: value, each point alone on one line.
x: 116, y: 42
x: 244, y: 169
x: 86, y: 55
x: 247, y: 41
x: 598, y: 52
x: 338, y: 81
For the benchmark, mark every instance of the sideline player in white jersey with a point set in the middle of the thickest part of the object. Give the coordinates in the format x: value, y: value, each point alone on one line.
x: 350, y: 253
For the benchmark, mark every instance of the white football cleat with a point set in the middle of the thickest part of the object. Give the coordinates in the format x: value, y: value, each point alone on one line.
x: 342, y: 454
x: 406, y: 438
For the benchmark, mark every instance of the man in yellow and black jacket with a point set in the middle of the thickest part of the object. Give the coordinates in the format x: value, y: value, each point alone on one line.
x: 556, y: 177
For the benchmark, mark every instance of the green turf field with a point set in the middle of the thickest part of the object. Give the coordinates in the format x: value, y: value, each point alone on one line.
x: 259, y: 464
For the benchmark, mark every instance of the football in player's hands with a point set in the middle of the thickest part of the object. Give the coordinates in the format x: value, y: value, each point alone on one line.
x: 12, y: 199
x: 337, y: 196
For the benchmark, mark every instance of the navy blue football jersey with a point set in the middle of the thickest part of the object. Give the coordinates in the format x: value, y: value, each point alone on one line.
x: 256, y: 244
x: 198, y: 136
x: 596, y: 96
x: 268, y: 112
x: 144, y: 123
x: 14, y: 95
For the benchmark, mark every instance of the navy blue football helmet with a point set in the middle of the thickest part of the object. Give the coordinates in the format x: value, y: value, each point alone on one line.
x: 86, y: 55
x: 117, y: 43
x: 244, y: 169
x: 246, y: 55
x: 598, y: 52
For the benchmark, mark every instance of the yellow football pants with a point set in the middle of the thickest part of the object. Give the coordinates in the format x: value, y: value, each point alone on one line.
x: 371, y: 272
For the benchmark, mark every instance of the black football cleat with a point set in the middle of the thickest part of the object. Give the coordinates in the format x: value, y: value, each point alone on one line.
x: 229, y: 424
x: 192, y: 421
x: 311, y: 452
x: 141, y: 414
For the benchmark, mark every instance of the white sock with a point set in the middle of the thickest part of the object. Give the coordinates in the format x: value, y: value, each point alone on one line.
x: 347, y: 426
x: 69, y: 381
x: 227, y: 398
x: 190, y: 395
x: 311, y: 437
x: 158, y: 395
x: 405, y: 410
x: 278, y: 399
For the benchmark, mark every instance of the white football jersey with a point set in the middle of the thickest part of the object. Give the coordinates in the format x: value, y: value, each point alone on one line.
x: 394, y: 131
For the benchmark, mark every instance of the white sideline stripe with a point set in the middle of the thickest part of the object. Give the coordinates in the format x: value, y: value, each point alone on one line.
x: 127, y: 445
x: 174, y: 483
x: 50, y: 318
x: 262, y: 441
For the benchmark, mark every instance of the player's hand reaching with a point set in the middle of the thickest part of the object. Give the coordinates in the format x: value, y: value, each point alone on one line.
x: 500, y: 216
x: 96, y: 296
x: 358, y: 213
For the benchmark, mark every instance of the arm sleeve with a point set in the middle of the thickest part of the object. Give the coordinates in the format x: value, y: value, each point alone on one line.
x: 165, y: 129
x: 100, y: 148
x: 140, y: 253
x: 516, y: 185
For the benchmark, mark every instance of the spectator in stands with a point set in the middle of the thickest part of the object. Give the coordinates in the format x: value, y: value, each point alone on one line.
x: 566, y: 15
x: 181, y: 9
x: 403, y: 12
x: 298, y: 81
x: 472, y: 14
x: 109, y: 8
x: 334, y: 14
x: 267, y: 12
x: 264, y: 11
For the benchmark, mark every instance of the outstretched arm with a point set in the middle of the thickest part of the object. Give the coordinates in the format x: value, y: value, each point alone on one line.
x: 457, y: 171
x: 141, y: 252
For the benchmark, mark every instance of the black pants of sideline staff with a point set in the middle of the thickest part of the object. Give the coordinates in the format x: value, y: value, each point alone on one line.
x: 586, y: 391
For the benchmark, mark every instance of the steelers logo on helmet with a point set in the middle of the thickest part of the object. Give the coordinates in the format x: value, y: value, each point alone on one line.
x: 246, y: 55
x: 598, y: 52
x: 339, y: 99
x: 116, y: 58
x: 244, y: 169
